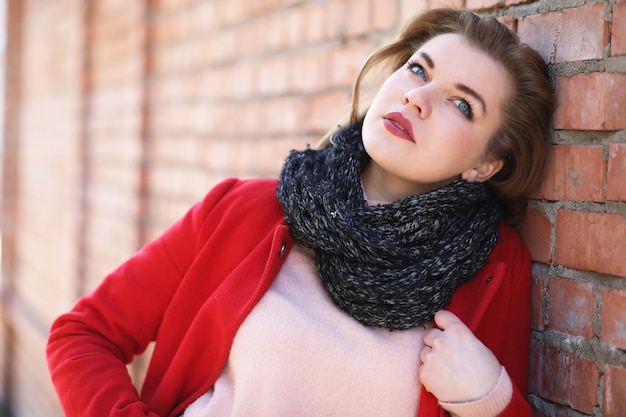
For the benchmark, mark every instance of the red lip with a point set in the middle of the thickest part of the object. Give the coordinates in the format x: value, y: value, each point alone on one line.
x: 399, y: 126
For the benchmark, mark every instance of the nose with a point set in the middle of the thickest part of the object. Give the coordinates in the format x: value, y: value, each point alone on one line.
x: 419, y: 100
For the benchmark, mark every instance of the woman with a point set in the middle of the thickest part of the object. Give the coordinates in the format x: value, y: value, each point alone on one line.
x: 380, y: 276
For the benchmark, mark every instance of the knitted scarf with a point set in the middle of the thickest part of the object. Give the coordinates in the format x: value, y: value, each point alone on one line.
x: 391, y: 265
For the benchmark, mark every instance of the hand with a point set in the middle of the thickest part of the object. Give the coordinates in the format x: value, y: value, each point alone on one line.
x: 456, y: 366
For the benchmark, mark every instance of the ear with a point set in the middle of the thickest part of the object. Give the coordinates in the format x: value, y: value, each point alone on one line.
x: 483, y: 171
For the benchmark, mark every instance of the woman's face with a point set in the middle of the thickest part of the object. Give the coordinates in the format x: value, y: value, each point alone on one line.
x: 431, y: 120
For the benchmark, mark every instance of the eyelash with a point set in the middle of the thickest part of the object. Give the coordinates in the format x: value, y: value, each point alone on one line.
x: 413, y: 66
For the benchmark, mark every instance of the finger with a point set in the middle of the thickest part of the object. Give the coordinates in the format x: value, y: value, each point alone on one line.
x: 424, y: 354
x: 430, y: 336
x: 424, y: 375
x: 445, y: 319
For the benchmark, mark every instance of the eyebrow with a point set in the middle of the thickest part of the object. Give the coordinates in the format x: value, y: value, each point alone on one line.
x: 428, y: 59
x: 474, y: 94
x: 466, y: 89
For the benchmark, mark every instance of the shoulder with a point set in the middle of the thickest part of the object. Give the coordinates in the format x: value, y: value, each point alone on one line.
x: 238, y: 195
x: 240, y: 207
x: 237, y: 188
x: 509, y: 247
x: 512, y: 258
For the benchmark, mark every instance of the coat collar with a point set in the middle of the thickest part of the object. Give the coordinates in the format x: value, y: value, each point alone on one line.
x: 470, y: 301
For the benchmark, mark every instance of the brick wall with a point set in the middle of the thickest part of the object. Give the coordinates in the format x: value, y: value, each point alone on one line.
x: 576, y: 230
x: 122, y: 114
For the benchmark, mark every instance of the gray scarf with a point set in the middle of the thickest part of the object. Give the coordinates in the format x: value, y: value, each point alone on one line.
x: 392, y: 265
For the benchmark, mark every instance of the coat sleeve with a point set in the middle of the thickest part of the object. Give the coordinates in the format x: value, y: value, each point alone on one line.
x: 89, y: 347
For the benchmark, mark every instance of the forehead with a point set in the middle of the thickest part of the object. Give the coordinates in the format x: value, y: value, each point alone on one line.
x: 451, y: 45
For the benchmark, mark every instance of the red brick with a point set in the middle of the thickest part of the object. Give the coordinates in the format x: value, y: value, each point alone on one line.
x: 616, y: 188
x: 168, y: 29
x: 583, y: 34
x: 235, y: 81
x: 540, y: 32
x: 314, y: 23
x: 515, y: 2
x: 595, y: 101
x: 538, y: 291
x: 270, y: 155
x: 358, y: 17
x: 203, y: 17
x: 273, y: 76
x: 563, y: 378
x: 409, y: 8
x: 574, y: 173
x: 536, y: 232
x: 283, y: 115
x: 614, y: 392
x: 509, y: 21
x: 235, y: 8
x: 267, y: 34
x: 613, y: 318
x: 247, y: 41
x: 225, y: 13
x: 618, y: 37
x: 591, y: 241
x: 335, y: 19
x: 481, y: 4
x: 251, y: 124
x: 446, y: 3
x: 326, y: 109
x: 346, y: 62
x: 227, y: 115
x: 385, y: 14
x: 309, y: 72
x: 569, y: 35
x: 168, y: 5
x: 293, y: 28
x: 570, y: 307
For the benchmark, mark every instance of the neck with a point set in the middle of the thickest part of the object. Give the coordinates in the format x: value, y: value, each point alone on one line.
x: 379, y: 184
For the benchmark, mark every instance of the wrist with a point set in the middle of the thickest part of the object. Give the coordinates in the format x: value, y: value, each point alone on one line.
x: 489, y: 405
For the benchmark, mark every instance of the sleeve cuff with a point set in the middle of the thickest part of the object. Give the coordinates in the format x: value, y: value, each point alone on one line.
x: 491, y: 405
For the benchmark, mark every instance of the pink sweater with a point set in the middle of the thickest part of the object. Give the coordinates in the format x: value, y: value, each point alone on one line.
x: 298, y: 354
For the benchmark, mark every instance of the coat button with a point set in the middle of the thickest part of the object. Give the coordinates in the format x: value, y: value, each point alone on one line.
x: 283, y: 248
x: 488, y: 280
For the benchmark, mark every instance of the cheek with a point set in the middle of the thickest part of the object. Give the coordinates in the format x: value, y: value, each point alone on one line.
x: 474, y: 149
x: 391, y: 91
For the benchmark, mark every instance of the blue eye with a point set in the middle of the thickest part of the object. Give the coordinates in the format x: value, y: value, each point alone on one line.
x: 417, y: 69
x: 465, y: 108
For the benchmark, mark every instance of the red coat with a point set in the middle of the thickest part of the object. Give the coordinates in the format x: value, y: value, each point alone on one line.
x: 189, y: 290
